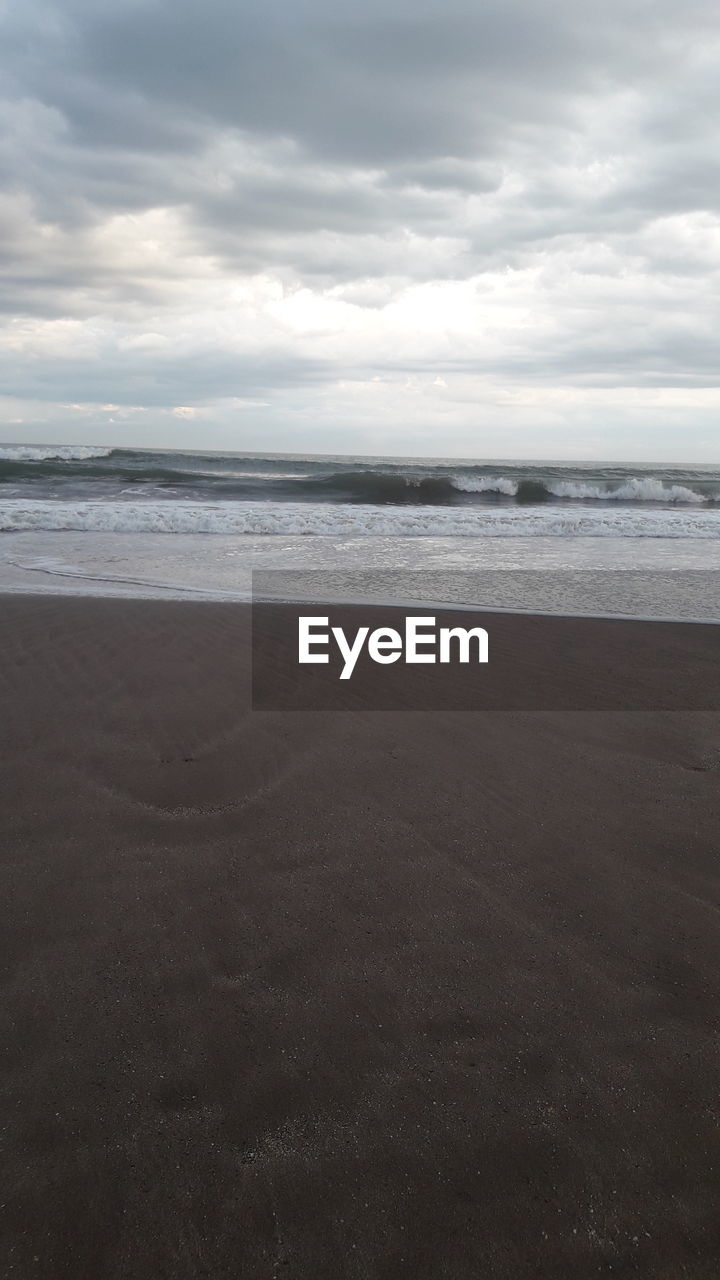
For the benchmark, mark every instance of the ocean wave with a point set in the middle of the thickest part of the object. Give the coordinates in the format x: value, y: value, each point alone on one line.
x: 397, y: 486
x: 51, y: 452
x: 322, y: 519
x: 486, y: 484
x: 89, y: 471
x: 634, y: 489
x: 391, y: 486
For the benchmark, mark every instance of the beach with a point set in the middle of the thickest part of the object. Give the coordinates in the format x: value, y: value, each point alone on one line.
x: 355, y: 993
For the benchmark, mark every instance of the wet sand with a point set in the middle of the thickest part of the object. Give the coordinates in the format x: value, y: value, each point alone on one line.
x: 365, y: 994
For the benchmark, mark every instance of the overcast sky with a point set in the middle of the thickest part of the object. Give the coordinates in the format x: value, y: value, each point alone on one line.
x: 422, y: 226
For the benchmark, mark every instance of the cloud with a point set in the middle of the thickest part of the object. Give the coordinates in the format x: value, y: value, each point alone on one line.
x: 230, y: 203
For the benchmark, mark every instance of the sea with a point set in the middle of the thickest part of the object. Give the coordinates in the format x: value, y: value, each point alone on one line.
x: 559, y: 536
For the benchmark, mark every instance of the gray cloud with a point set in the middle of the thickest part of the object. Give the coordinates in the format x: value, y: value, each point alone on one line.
x: 153, y: 378
x: 157, y: 155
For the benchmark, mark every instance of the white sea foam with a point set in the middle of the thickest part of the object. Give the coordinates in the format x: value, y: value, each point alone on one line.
x: 335, y: 520
x: 51, y: 453
x: 486, y: 484
x: 228, y: 474
x: 635, y: 489
x: 648, y: 489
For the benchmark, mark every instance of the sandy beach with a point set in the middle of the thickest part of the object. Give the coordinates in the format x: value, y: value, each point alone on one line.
x: 361, y: 995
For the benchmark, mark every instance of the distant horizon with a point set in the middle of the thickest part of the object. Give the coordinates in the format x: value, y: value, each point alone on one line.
x: 310, y: 454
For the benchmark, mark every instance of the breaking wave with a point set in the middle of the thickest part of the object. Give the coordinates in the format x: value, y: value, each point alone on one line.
x: 51, y: 453
x: 356, y: 520
x: 634, y: 489
x: 412, y: 487
x: 486, y: 484
x: 88, y: 471
x: 647, y: 489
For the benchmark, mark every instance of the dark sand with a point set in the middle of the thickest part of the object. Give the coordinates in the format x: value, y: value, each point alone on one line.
x: 368, y: 995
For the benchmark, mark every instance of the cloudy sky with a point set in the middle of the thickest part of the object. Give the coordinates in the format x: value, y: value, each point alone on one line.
x: 461, y: 227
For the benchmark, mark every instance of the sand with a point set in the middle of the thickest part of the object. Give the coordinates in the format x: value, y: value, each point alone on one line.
x: 364, y: 994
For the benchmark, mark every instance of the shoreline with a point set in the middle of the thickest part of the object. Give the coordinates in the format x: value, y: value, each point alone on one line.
x: 452, y: 606
x: 195, y: 595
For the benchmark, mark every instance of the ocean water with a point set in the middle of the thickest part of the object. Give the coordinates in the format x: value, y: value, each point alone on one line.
x: 138, y: 522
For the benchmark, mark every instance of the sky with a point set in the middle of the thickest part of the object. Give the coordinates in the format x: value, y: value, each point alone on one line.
x: 437, y: 227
